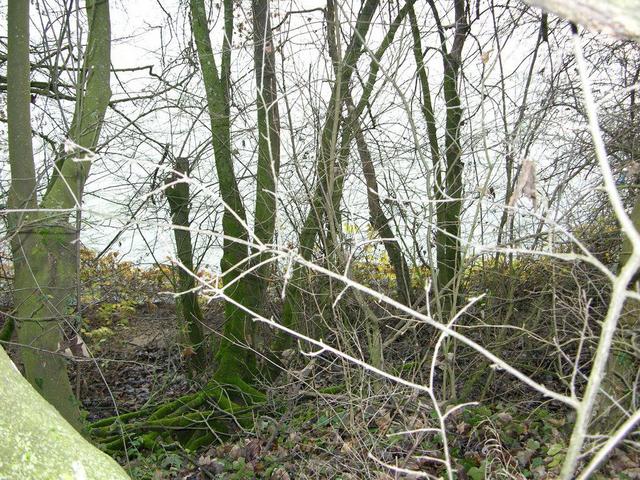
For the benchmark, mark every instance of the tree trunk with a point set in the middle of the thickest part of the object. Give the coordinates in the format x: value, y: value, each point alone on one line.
x: 448, y: 180
x: 44, y: 242
x: 189, y: 309
x: 268, y: 123
x: 618, y: 18
x: 353, y: 129
x: 268, y: 119
x: 234, y: 359
x: 32, y: 429
x: 447, y: 167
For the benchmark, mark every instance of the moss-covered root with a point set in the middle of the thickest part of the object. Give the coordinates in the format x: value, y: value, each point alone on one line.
x: 192, y: 420
x: 239, y: 389
x: 188, y: 430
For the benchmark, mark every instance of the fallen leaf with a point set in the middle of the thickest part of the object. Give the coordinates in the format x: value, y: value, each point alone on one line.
x: 236, y: 452
x: 383, y: 422
x: 280, y: 474
x: 252, y: 450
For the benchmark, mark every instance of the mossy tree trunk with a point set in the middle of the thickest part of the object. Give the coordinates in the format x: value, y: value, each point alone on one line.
x: 447, y: 166
x: 268, y: 125
x: 268, y: 118
x: 236, y: 361
x: 177, y: 193
x: 190, y: 419
x: 43, y: 241
x: 447, y: 188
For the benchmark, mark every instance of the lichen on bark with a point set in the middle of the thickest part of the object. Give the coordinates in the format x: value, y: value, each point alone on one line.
x: 37, y: 442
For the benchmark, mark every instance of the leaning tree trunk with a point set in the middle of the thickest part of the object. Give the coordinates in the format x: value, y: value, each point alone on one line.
x: 32, y: 429
x: 379, y: 220
x: 43, y: 241
x: 350, y: 129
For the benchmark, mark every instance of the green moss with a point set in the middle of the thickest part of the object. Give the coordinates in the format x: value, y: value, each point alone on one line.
x: 192, y: 420
x: 7, y: 330
x: 332, y: 390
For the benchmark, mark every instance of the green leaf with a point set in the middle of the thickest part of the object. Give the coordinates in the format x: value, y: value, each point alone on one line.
x: 555, y: 449
x: 171, y: 460
x: 323, y: 421
x: 533, y: 444
x: 536, y: 462
x: 476, y: 473
x: 542, y: 413
x: 557, y: 460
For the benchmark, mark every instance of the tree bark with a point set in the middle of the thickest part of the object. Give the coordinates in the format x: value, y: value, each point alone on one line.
x: 32, y: 429
x: 178, y: 198
x: 43, y: 240
x: 618, y: 18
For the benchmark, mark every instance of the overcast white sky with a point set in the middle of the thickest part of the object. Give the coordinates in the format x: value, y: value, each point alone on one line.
x: 140, y: 31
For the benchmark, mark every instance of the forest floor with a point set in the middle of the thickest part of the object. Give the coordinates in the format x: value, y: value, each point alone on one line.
x: 335, y: 424
x: 324, y: 419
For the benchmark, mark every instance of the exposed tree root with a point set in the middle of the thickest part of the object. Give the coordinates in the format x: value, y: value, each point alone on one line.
x: 194, y: 420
